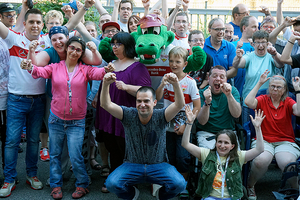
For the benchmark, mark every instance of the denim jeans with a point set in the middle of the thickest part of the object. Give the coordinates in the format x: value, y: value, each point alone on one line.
x: 19, y: 109
x: 122, y: 179
x: 73, y: 130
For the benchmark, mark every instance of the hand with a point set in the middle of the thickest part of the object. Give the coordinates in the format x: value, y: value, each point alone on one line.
x: 295, y: 36
x: 265, y: 10
x: 117, y: 2
x: 190, y: 116
x: 239, y: 53
x: 157, y: 12
x: 259, y: 117
x: 26, y: 64
x: 185, y: 5
x: 109, y: 78
x: 121, y: 85
x: 180, y: 130
x: 79, y: 5
x: 89, y: 3
x: 171, y: 78
x: 94, y: 102
x: 178, y: 3
x: 92, y: 46
x: 289, y: 21
x: 263, y: 78
x: 68, y: 11
x: 226, y: 88
x: 207, y: 95
x: 146, y: 4
x: 33, y: 45
x: 271, y: 50
x: 110, y: 67
x: 296, y: 83
x: 239, y: 44
x: 235, y: 38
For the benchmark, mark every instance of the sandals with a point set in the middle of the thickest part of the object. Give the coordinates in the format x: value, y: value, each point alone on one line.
x: 96, y: 166
x: 105, y: 171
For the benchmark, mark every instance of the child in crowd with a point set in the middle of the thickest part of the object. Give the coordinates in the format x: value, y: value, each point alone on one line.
x: 177, y: 155
x: 222, y: 166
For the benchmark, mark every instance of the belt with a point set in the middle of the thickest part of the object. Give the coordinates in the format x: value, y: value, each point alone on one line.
x: 30, y: 96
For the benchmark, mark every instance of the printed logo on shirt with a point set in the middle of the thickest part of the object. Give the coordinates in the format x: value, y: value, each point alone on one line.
x: 184, y: 87
x: 42, y: 44
x: 22, y: 53
x: 164, y: 58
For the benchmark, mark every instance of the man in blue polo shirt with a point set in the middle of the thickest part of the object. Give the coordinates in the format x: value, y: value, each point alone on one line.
x: 238, y: 12
x: 219, y: 49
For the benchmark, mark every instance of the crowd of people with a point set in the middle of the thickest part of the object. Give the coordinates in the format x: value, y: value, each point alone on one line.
x: 131, y: 95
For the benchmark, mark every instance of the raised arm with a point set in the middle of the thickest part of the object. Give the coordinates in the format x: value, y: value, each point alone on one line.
x: 100, y: 8
x: 106, y: 103
x: 279, y: 15
x: 296, y: 84
x: 185, y: 142
x: 250, y: 100
x: 171, y: 18
x: 238, y: 62
x: 175, y: 107
x: 286, y: 54
x: 91, y: 55
x: 286, y: 22
x: 43, y: 56
x: 259, y: 148
x: 276, y: 56
x: 114, y: 15
x: 73, y: 22
x: 160, y: 90
x: 234, y: 106
x: 146, y: 5
x: 203, y: 115
x: 19, y: 27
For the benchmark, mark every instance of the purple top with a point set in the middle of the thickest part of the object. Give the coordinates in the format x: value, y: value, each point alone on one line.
x: 135, y: 74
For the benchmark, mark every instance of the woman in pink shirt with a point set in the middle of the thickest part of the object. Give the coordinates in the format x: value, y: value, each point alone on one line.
x: 68, y: 109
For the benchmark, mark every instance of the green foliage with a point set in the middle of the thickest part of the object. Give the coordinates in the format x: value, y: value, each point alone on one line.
x: 45, y: 6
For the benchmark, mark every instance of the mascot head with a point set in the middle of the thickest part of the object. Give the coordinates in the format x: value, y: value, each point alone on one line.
x: 151, y: 37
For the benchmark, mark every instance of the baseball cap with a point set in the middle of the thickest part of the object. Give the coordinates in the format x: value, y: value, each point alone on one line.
x: 115, y: 24
x: 151, y: 20
x: 72, y: 4
x: 6, y: 7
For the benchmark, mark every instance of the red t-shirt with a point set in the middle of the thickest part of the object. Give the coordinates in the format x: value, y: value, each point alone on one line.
x: 277, y: 125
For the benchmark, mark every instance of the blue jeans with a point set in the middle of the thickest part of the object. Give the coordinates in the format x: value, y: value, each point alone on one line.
x: 21, y: 108
x: 178, y: 156
x: 122, y: 179
x: 73, y: 130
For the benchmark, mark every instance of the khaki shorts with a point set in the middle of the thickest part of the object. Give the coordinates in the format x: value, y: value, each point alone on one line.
x: 277, y: 147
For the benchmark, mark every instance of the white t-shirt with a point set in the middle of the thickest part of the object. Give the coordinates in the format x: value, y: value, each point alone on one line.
x: 20, y: 81
x: 181, y: 41
x: 4, y: 69
x: 123, y: 26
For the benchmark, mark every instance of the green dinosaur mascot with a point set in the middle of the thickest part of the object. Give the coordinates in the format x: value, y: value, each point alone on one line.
x: 153, y: 43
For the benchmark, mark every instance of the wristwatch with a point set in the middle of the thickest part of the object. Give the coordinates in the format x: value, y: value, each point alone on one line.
x: 207, y: 104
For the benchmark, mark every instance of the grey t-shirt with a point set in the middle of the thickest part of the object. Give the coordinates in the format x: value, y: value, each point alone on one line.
x: 145, y: 144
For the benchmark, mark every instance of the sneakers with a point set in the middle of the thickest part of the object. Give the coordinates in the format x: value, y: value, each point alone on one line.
x: 251, y: 193
x: 6, y: 189
x: 44, y: 154
x: 79, y: 192
x: 56, y: 193
x: 34, y: 183
x: 137, y: 193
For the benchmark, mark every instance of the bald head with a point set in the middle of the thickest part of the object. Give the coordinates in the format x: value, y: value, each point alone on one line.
x: 238, y: 12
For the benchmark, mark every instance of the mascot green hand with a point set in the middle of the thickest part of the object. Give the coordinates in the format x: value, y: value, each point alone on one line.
x: 105, y: 50
x: 196, y: 60
x: 151, y: 38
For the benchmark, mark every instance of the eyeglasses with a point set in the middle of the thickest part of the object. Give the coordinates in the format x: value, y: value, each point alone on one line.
x: 218, y: 29
x: 245, y: 13
x: 227, y: 31
x: 197, y: 40
x: 112, y: 31
x: 117, y: 45
x: 277, y: 87
x: 54, y: 23
x: 72, y: 48
x: 124, y: 8
x: 181, y: 22
x: 258, y: 43
x: 268, y: 27
x: 10, y: 16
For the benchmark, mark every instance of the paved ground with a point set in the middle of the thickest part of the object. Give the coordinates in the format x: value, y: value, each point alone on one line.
x: 264, y: 187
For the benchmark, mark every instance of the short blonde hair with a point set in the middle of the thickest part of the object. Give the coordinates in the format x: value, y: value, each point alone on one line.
x: 180, y: 52
x: 52, y: 14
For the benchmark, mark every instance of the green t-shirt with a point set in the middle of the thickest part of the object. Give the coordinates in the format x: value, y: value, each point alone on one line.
x: 219, y: 116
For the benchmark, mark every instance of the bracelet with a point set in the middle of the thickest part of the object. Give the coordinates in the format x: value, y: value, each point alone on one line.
x: 85, y: 8
x: 207, y: 104
x: 291, y: 42
x: 188, y: 123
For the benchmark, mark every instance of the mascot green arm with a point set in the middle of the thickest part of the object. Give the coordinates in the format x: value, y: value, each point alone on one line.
x: 105, y: 50
x: 196, y: 60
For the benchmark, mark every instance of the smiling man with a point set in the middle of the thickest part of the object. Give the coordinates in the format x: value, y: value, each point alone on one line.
x: 221, y: 104
x: 181, y: 24
x: 145, y: 154
x: 7, y: 15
